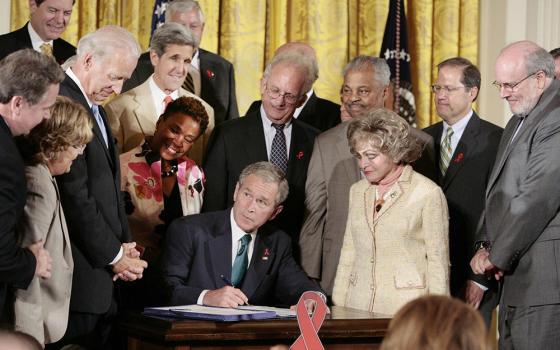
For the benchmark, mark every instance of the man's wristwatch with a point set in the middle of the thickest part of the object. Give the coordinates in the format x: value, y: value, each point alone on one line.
x: 482, y: 245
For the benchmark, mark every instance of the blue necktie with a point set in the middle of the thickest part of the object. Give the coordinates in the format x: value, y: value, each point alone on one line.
x: 241, y: 261
x: 100, y: 123
x: 278, y: 150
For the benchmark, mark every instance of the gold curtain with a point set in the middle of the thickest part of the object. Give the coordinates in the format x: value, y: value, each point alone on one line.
x: 247, y: 33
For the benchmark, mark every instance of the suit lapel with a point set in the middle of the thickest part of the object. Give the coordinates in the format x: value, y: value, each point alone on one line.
x: 351, y: 168
x: 299, y: 150
x: 144, y: 109
x: 394, y: 193
x: 255, y: 147
x: 261, y: 260
x: 464, y: 150
x: 218, y: 251
x: 23, y: 38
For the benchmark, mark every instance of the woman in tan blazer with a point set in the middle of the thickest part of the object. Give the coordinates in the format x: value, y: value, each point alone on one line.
x: 395, y: 247
x: 42, y: 309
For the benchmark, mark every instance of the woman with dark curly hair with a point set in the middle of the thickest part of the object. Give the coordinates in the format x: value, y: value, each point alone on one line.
x: 49, y: 150
x: 160, y: 182
x: 395, y: 247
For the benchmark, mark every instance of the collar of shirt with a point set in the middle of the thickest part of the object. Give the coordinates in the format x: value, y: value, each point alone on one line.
x: 36, y: 40
x: 299, y: 109
x: 458, y: 129
x: 158, y: 95
x: 195, y: 61
x: 270, y: 131
x: 236, y: 234
x: 73, y: 76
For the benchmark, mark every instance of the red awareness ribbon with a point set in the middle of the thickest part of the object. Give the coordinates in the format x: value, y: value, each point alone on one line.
x: 309, y: 326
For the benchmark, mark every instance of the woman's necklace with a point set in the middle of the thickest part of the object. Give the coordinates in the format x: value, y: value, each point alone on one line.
x: 168, y: 169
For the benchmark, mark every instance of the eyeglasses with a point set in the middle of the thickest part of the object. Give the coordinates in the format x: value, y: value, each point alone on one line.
x: 79, y: 148
x: 362, y: 92
x: 448, y: 89
x: 274, y: 93
x: 511, y: 86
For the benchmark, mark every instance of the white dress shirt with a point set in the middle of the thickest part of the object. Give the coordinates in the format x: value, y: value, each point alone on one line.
x: 270, y: 131
x: 158, y: 95
x: 458, y: 129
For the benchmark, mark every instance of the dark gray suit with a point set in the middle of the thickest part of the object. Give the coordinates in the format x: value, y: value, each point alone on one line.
x: 522, y: 221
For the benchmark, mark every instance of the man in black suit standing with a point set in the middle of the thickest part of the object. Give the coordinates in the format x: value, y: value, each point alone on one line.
x: 465, y: 148
x: 270, y: 133
x: 48, y: 21
x: 90, y: 192
x: 315, y: 111
x: 28, y: 88
x: 210, y: 76
x: 231, y: 257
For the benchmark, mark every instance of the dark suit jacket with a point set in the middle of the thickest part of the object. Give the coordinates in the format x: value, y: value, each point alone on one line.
x: 17, y: 265
x: 464, y: 186
x: 198, y: 253
x: 240, y: 142
x: 217, y: 83
x: 317, y: 112
x: 19, y: 39
x: 522, y: 212
x: 97, y: 224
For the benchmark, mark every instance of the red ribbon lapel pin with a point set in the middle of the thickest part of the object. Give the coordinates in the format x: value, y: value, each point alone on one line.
x: 266, y: 254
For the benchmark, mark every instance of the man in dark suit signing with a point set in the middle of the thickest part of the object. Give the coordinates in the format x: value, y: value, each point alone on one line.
x: 48, y: 21
x: 270, y: 133
x: 315, y: 111
x: 210, y: 76
x: 519, y: 241
x: 465, y: 147
x: 233, y: 257
x: 90, y: 192
x: 28, y: 88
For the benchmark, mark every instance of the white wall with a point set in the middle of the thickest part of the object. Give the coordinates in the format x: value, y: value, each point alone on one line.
x: 4, y: 16
x: 503, y: 22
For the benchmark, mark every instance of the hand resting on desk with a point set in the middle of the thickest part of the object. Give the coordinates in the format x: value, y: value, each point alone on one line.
x: 225, y: 297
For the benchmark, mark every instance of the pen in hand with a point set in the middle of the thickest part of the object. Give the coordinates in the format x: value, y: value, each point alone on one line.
x: 228, y: 283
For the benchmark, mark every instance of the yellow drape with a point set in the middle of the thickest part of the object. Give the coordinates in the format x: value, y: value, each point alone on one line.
x: 247, y: 32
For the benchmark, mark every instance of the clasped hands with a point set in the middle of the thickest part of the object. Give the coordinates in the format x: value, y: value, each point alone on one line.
x: 481, y: 265
x: 129, y: 267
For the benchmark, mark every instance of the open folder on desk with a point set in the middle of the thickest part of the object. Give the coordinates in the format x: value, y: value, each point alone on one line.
x: 209, y: 313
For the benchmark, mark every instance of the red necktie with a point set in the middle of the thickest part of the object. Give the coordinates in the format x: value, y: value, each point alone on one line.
x: 167, y: 100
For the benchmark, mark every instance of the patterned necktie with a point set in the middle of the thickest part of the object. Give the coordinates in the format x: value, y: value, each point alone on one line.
x: 46, y: 49
x: 100, y: 123
x: 166, y: 100
x: 445, y: 151
x: 188, y: 84
x: 278, y: 150
x: 241, y: 261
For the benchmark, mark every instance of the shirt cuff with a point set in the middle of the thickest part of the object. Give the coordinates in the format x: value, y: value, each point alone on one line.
x: 117, y: 258
x: 201, y: 297
x: 484, y: 288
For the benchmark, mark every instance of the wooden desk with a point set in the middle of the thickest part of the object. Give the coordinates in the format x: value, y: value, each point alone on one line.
x: 343, y: 329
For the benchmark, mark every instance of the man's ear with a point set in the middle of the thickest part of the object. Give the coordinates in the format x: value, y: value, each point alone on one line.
x: 32, y: 6
x: 473, y: 93
x: 235, y: 192
x: 276, y: 212
x: 154, y: 58
x: 87, y: 61
x: 16, y: 104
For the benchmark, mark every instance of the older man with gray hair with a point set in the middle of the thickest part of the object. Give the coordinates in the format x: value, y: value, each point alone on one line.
x: 133, y: 115
x: 518, y: 241
x: 90, y: 192
x: 270, y: 133
x: 210, y: 76
x: 333, y: 169
x: 315, y: 111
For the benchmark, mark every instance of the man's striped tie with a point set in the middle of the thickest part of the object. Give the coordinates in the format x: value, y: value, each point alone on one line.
x: 445, y: 152
x: 188, y: 84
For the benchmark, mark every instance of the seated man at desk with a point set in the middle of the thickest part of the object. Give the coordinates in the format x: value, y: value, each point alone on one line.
x: 233, y: 257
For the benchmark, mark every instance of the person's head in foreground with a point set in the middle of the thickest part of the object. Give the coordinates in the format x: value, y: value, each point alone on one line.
x: 15, y: 340
x: 436, y: 322
x: 381, y: 141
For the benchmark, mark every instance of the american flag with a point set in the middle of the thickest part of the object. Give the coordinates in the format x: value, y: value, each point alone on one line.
x: 158, y: 17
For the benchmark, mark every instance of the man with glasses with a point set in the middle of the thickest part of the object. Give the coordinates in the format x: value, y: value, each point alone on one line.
x: 270, y: 133
x: 333, y: 169
x: 465, y: 148
x: 519, y: 243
